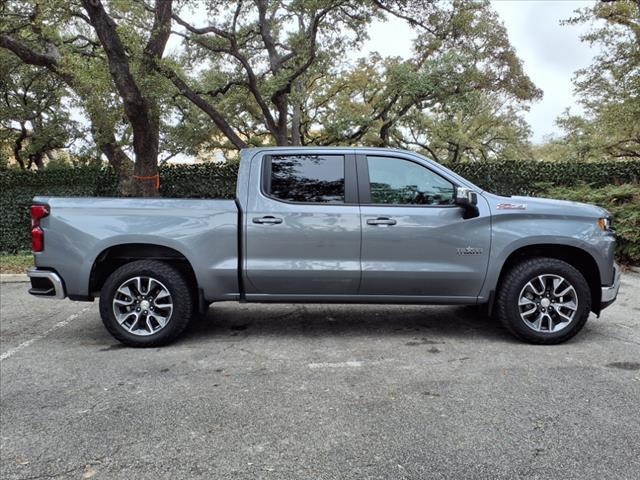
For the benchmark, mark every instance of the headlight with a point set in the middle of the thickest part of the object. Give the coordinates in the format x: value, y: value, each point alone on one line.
x: 606, y: 224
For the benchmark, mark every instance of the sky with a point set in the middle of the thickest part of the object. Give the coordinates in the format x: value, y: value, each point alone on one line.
x: 551, y: 52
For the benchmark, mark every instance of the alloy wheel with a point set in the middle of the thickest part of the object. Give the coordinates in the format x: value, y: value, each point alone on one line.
x: 548, y: 303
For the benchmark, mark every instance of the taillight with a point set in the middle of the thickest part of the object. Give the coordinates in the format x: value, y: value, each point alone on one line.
x: 38, y: 212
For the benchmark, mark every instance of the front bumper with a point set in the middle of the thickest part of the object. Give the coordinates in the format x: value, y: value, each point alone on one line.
x: 45, y: 283
x: 610, y: 292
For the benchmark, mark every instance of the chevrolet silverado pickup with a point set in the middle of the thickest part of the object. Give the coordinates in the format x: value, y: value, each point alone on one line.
x: 328, y: 225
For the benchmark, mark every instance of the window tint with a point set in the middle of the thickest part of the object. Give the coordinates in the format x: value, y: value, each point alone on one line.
x: 400, y: 182
x: 308, y: 178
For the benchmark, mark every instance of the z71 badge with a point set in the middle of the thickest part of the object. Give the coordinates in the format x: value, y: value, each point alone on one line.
x: 469, y: 251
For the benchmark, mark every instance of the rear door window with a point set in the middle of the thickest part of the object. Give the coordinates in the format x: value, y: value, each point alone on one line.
x: 307, y: 178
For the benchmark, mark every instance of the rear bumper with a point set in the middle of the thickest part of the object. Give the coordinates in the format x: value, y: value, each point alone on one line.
x: 45, y: 283
x: 610, y: 292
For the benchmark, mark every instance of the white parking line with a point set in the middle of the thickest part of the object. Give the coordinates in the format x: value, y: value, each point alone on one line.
x: 348, y: 364
x: 12, y: 351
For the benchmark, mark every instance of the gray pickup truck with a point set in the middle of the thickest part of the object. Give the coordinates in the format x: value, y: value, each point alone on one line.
x: 328, y: 225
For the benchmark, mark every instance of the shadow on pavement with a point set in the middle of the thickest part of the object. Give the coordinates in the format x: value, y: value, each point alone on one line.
x: 281, y: 320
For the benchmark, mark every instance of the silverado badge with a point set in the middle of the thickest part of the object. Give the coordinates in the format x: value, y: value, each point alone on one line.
x: 469, y: 251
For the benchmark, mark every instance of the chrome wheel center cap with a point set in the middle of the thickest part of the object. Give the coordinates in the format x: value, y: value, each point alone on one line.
x: 144, y: 304
x: 545, y: 302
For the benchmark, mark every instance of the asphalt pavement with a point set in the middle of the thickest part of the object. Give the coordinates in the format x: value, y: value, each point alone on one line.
x: 318, y: 392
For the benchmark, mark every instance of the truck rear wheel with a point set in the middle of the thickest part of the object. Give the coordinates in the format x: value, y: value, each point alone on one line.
x: 544, y: 301
x: 146, y: 303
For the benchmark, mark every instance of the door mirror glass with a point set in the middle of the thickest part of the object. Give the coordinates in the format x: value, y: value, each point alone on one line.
x: 466, y: 196
x: 468, y: 200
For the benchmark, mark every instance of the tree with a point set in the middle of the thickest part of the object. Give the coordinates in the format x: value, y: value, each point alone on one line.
x: 257, y: 55
x: 609, y: 89
x: 141, y: 109
x: 33, y: 118
x: 276, y: 73
x: 457, y: 97
x: 75, y: 53
x: 259, y: 72
x: 33, y: 33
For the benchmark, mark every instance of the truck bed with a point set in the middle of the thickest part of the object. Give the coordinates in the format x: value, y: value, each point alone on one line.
x: 78, y: 230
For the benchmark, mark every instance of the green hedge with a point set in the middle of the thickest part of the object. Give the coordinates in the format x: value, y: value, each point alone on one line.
x: 529, y: 178
x: 19, y: 187
x: 215, y: 181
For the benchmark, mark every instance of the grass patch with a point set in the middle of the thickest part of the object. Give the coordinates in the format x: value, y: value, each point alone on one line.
x: 15, y: 263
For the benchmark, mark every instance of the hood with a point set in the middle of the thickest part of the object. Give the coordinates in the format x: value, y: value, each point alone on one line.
x: 544, y: 206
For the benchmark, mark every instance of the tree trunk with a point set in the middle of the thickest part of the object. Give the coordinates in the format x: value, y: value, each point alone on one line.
x: 146, y: 141
x: 17, y: 146
x: 296, y: 120
x: 38, y: 160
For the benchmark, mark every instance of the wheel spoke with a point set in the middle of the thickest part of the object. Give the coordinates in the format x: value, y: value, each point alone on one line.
x: 531, y: 287
x: 135, y: 322
x: 162, y: 294
x: 538, y: 323
x: 549, y: 323
x: 122, y: 317
x: 125, y: 290
x: 571, y: 305
x: 153, y: 283
x: 543, y: 283
x: 563, y: 293
x: 148, y: 320
x: 162, y: 320
x: 566, y: 317
x: 526, y: 301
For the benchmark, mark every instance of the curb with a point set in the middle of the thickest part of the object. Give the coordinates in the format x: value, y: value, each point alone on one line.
x: 13, y: 278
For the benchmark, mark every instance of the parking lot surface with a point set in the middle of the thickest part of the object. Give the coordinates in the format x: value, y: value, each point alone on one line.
x: 317, y: 391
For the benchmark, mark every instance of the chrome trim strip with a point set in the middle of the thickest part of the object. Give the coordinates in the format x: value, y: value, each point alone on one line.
x: 610, y: 293
x: 53, y: 277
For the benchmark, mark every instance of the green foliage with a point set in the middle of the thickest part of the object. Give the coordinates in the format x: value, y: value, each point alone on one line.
x: 204, y: 180
x: 218, y: 181
x: 33, y: 119
x: 19, y: 187
x: 531, y: 178
x: 623, y: 201
x: 609, y: 88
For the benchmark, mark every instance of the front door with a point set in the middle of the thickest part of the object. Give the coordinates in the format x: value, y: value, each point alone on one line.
x: 415, y: 241
x: 303, y: 228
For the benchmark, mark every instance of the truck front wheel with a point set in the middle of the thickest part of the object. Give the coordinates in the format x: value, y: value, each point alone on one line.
x: 146, y: 303
x: 543, y: 300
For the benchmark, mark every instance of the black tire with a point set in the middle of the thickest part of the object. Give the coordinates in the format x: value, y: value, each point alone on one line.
x: 182, y: 297
x: 509, y: 294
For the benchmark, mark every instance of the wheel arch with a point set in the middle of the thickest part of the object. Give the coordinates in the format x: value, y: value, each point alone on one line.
x: 114, y: 256
x: 577, y: 257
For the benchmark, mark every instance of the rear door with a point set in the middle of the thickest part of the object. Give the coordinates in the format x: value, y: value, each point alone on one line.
x: 414, y: 239
x: 303, y: 226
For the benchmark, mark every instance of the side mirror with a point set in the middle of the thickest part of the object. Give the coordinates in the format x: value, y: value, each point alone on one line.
x: 468, y: 200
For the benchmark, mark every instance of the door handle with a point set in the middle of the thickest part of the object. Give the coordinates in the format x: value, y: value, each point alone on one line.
x: 381, y: 221
x: 269, y: 220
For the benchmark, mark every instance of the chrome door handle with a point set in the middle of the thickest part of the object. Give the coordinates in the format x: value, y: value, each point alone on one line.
x: 269, y: 220
x: 381, y: 221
